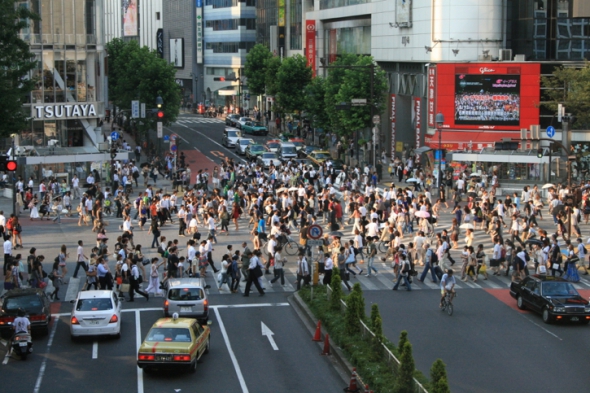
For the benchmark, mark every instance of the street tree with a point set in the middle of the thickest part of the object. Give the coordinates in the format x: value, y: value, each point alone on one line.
x: 16, y: 63
x: 292, y: 78
x: 570, y: 87
x: 255, y: 68
x: 315, y: 103
x: 137, y: 73
x: 356, y: 84
x: 405, y: 377
x: 272, y: 69
x: 334, y: 80
x: 438, y: 377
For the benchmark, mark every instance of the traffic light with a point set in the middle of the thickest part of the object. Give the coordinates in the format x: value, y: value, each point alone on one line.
x: 506, y: 146
x: 219, y: 79
x: 7, y: 165
x: 539, y: 153
x: 160, y: 114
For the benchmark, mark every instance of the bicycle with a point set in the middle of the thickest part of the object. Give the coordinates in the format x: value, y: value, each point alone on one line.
x: 447, y: 304
x: 289, y: 245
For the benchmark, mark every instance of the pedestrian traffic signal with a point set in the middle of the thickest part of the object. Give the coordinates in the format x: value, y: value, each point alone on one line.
x: 539, y: 153
x: 506, y: 146
x: 7, y: 165
x: 160, y: 114
x: 219, y: 79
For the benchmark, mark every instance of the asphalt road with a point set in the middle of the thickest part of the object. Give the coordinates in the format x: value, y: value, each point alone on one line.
x: 486, y: 344
x: 241, y: 358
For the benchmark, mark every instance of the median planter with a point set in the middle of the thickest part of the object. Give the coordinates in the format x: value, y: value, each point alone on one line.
x: 373, y: 355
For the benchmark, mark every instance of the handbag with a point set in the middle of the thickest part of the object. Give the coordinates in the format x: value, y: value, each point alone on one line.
x: 555, y: 266
x: 140, y: 279
x: 124, y: 288
x: 257, y: 271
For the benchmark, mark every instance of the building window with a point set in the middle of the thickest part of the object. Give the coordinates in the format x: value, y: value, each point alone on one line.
x: 229, y: 47
x: 157, y: 16
x: 220, y: 71
x: 231, y: 24
x: 229, y: 3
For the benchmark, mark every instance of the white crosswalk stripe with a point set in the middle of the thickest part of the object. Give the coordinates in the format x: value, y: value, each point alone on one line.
x: 198, y: 120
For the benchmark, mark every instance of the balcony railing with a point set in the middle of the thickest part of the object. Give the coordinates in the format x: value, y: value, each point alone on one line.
x: 327, y: 4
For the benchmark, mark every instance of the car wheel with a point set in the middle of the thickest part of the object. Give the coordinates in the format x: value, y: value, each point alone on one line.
x: 520, y: 303
x: 208, y: 344
x: 118, y: 335
x: 546, y: 316
x: 193, y: 368
x: 584, y: 321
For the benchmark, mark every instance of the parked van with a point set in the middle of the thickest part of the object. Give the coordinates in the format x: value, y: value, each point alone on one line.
x: 187, y: 297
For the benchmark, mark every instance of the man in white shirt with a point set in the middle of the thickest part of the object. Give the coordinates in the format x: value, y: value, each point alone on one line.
x: 372, y: 229
x: 419, y: 240
x: 255, y: 271
x: 90, y: 179
x: 209, y: 251
x: 2, y: 219
x: 447, y: 285
x: 211, y: 227
x: 80, y: 259
x: 302, y: 271
x: 191, y: 258
x: 7, y: 253
x: 75, y: 187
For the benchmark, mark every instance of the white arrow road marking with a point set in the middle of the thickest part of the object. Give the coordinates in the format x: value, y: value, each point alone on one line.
x: 268, y: 333
x: 95, y: 350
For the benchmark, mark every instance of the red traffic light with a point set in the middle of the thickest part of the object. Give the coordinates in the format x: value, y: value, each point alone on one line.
x: 160, y: 114
x: 11, y: 165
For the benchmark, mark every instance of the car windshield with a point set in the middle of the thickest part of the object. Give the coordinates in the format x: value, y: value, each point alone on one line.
x: 184, y: 294
x: 25, y: 302
x: 257, y: 124
x: 233, y: 134
x: 175, y: 335
x: 256, y: 148
x: 245, y: 119
x: 309, y: 149
x: 559, y: 289
x: 288, y: 150
x: 244, y: 142
x: 321, y: 155
x: 297, y: 143
x: 273, y: 145
x: 270, y: 156
x: 94, y: 304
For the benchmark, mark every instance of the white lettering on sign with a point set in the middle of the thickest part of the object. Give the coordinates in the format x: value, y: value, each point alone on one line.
x: 418, y: 123
x: 64, y: 111
x: 393, y: 125
x: 484, y: 70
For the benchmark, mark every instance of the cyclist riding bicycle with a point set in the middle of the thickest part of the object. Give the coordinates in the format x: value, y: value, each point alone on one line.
x: 447, y: 285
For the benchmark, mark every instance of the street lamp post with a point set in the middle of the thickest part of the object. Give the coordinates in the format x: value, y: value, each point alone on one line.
x: 440, y: 120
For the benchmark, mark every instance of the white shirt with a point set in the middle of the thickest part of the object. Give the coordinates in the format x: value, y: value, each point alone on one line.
x: 191, y: 253
x: 2, y: 220
x: 328, y: 264
x: 211, y: 223
x: 21, y: 324
x: 7, y: 247
x: 80, y: 254
x: 271, y: 246
x: 126, y: 226
x: 449, y: 282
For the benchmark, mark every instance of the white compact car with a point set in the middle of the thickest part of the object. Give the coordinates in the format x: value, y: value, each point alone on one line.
x: 96, y: 313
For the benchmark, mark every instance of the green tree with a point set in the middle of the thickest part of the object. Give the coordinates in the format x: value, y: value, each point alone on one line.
x: 403, y: 338
x: 16, y: 62
x: 570, y: 87
x: 315, y: 103
x: 292, y: 78
x: 376, y: 326
x: 355, y: 309
x: 336, y: 296
x: 272, y: 69
x: 405, y: 379
x: 334, y: 80
x: 255, y: 68
x: 137, y: 73
x: 356, y: 83
x: 438, y: 377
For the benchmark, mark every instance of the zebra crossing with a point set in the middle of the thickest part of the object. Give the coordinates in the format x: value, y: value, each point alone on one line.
x: 199, y: 120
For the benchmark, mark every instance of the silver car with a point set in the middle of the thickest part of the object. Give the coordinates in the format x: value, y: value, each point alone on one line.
x: 265, y: 159
x: 230, y: 136
x: 242, y: 144
x: 187, y: 297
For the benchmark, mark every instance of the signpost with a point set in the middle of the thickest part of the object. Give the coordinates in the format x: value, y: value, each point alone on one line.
x: 114, y: 136
x: 315, y: 232
x: 160, y: 129
x: 315, y: 243
x: 358, y: 102
x: 166, y: 139
x: 550, y: 131
x: 135, y: 109
x: 143, y: 110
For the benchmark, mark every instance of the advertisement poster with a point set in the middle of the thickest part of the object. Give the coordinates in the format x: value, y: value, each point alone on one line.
x: 129, y: 18
x: 431, y: 97
x: 310, y: 45
x: 487, y: 99
x: 393, y: 120
x: 177, y: 52
x: 417, y: 122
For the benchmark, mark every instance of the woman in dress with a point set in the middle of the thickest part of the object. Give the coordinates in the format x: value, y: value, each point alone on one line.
x: 33, y: 207
x: 455, y: 233
x: 63, y: 254
x: 154, y: 286
x: 571, y: 269
x: 17, y: 240
x: 56, y: 280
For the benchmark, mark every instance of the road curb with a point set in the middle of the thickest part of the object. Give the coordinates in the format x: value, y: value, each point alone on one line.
x: 337, y: 357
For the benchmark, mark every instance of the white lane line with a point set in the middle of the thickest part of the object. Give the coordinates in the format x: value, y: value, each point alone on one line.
x: 536, y: 324
x: 138, y: 344
x: 44, y: 363
x: 218, y: 144
x: 231, y: 352
x: 95, y: 350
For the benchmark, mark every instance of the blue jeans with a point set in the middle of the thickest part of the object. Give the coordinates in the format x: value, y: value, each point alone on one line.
x: 212, y: 233
x: 399, y: 278
x: 370, y: 264
x: 427, y: 267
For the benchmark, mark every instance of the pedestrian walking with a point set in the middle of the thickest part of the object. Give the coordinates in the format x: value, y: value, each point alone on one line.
x: 255, y: 272
x: 135, y: 280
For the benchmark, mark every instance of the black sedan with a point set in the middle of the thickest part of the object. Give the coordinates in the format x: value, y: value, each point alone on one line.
x: 554, y: 298
x: 33, y: 301
x: 232, y: 120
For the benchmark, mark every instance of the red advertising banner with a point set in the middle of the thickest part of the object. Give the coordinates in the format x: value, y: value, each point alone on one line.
x: 431, y: 96
x: 310, y: 44
x: 417, y: 122
x: 392, y: 117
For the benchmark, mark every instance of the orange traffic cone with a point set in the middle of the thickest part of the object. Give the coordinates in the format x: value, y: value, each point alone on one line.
x: 352, y: 388
x: 318, y: 332
x: 326, y: 350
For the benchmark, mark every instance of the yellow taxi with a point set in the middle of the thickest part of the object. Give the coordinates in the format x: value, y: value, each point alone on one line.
x: 319, y: 156
x: 174, y: 343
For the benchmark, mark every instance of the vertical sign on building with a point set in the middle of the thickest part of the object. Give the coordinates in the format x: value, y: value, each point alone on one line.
x: 281, y: 23
x: 135, y: 109
x: 199, y: 28
x: 417, y: 122
x: 392, y: 117
x: 310, y: 44
x: 129, y: 18
x: 160, y: 43
x: 431, y: 97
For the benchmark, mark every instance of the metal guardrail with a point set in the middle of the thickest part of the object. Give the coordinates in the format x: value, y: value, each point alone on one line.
x: 392, y: 361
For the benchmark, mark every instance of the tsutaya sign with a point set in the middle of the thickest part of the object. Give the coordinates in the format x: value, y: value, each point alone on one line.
x: 64, y: 111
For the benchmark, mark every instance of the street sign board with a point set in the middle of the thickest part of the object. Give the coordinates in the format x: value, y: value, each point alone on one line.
x: 315, y: 243
x: 114, y: 135
x: 166, y: 138
x: 358, y: 101
x: 376, y: 119
x: 550, y: 131
x: 160, y: 129
x: 143, y: 110
x: 135, y: 109
x: 315, y: 231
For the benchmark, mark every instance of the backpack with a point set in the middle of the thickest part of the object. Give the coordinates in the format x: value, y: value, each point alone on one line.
x: 433, y: 258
